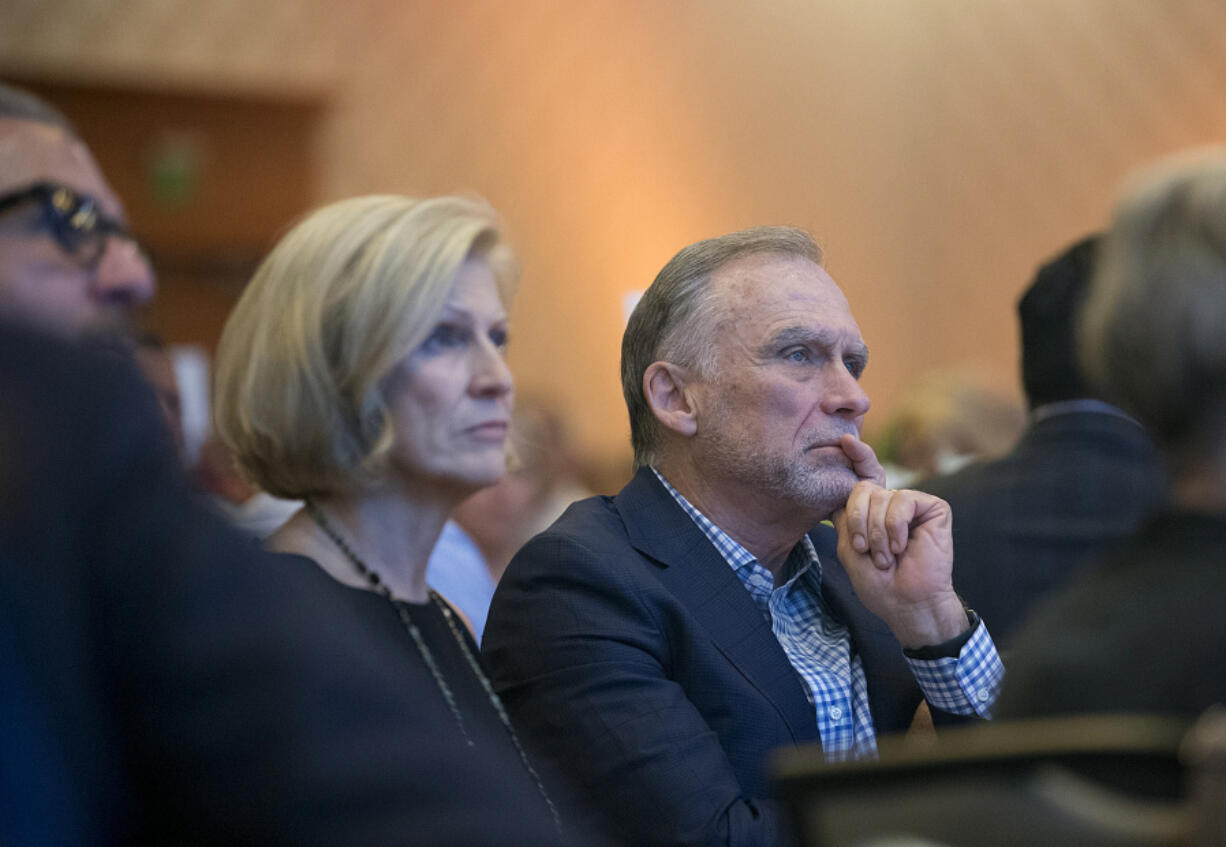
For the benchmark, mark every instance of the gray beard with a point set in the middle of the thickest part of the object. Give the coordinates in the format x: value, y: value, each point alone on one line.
x: 823, y: 489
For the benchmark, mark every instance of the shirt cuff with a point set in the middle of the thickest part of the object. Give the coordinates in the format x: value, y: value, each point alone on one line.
x: 965, y: 684
x: 947, y: 649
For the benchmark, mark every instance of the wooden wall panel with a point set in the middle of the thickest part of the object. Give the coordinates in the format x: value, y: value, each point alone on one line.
x: 939, y: 148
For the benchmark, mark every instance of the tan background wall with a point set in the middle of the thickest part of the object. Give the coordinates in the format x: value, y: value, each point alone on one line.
x: 938, y: 148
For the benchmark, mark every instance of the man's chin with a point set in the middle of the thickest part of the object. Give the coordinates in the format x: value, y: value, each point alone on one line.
x: 826, y: 489
x: 842, y: 481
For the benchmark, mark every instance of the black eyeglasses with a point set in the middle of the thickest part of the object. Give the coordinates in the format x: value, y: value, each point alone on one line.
x: 73, y: 220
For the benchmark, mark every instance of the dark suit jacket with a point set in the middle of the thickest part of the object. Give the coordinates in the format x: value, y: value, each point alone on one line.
x: 1024, y: 523
x: 1141, y: 630
x: 162, y: 681
x: 637, y: 665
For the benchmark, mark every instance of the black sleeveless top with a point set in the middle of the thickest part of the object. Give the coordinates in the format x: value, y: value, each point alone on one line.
x: 385, y: 640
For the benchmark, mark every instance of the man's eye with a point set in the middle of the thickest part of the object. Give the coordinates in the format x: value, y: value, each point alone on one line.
x: 798, y: 355
x: 499, y: 338
x: 854, y: 366
x: 73, y: 233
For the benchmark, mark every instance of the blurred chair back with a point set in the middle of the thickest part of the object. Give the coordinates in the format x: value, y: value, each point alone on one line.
x: 1204, y: 752
x: 1090, y: 781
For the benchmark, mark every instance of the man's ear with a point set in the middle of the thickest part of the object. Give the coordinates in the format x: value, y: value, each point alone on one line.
x: 665, y: 386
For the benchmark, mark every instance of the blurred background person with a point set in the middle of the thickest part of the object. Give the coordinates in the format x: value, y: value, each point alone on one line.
x: 1082, y: 477
x: 256, y: 513
x: 67, y: 261
x: 1143, y: 631
x: 457, y: 570
x: 157, y: 366
x: 545, y: 477
x: 363, y: 372
x: 944, y: 420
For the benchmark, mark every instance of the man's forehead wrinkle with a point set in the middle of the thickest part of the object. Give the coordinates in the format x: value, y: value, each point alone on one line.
x: 821, y: 336
x: 723, y: 319
x: 799, y: 332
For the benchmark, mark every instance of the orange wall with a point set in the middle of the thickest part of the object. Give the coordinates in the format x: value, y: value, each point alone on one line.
x: 938, y: 148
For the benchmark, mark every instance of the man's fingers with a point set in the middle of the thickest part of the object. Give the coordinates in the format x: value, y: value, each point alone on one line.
x: 863, y: 459
x: 878, y: 527
x: 856, y: 516
x: 878, y: 521
x: 899, y: 513
x: 872, y: 525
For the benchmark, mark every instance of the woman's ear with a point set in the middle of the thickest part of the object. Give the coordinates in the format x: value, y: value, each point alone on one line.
x: 665, y: 386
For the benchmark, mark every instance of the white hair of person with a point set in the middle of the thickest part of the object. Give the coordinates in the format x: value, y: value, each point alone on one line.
x: 1151, y: 328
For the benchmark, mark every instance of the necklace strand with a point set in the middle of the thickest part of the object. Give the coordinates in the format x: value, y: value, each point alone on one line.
x: 380, y: 588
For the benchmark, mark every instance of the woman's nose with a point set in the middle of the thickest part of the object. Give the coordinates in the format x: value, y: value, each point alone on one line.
x: 491, y: 375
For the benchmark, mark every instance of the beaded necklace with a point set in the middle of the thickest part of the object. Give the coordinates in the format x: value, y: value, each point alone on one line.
x: 380, y: 588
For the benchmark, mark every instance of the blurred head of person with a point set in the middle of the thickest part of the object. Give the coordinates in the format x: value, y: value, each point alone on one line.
x: 367, y: 353
x: 1047, y: 311
x: 216, y: 473
x: 67, y: 261
x: 945, y: 419
x: 1152, y: 328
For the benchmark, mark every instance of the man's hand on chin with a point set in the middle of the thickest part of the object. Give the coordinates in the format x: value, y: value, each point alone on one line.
x: 897, y: 547
x: 863, y: 460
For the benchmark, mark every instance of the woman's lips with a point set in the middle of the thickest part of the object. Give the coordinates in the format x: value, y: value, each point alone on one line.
x: 489, y: 431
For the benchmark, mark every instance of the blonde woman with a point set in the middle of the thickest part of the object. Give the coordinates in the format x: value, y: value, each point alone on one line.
x: 363, y: 372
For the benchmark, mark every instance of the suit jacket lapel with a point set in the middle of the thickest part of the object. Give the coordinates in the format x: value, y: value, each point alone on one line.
x: 892, y: 692
x: 837, y: 591
x: 699, y: 577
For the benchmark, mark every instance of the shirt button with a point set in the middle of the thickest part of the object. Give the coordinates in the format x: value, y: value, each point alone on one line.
x: 982, y: 695
x: 836, y: 713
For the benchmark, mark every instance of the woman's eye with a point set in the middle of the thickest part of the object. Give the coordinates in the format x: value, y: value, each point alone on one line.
x: 446, y: 336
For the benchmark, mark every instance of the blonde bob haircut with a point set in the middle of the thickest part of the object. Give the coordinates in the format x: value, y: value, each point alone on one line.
x: 347, y: 293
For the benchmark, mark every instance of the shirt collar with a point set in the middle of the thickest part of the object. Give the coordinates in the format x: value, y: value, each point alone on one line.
x: 802, y: 558
x: 1081, y: 404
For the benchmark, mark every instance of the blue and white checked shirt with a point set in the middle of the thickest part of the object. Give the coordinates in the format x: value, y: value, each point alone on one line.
x: 820, y: 649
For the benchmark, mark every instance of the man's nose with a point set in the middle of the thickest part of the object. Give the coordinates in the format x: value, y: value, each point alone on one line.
x: 123, y: 275
x: 844, y: 396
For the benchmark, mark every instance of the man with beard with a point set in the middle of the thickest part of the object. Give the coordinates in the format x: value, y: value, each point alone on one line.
x: 67, y: 261
x: 653, y: 647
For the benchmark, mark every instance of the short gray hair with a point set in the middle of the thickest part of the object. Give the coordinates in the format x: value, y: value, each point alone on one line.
x: 22, y: 105
x: 1151, y: 330
x: 673, y: 320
